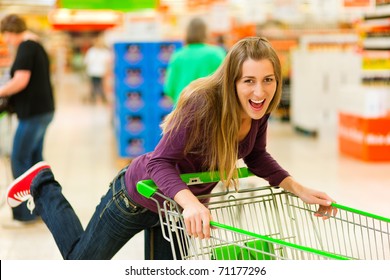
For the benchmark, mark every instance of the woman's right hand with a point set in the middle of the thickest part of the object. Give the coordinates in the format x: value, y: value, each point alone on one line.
x: 197, y: 220
x: 196, y: 216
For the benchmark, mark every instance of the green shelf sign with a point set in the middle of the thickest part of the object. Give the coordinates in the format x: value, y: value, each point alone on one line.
x: 119, y: 5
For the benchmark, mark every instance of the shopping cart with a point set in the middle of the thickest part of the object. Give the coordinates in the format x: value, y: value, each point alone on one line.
x: 267, y: 223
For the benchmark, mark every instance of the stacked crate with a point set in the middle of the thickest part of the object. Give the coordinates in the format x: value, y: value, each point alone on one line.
x: 140, y: 104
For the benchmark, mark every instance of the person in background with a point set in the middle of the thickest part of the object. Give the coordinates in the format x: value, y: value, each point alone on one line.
x: 218, y: 120
x: 195, y: 60
x: 221, y: 42
x: 31, y: 97
x: 97, y: 61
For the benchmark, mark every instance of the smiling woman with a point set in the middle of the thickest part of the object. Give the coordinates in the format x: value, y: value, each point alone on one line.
x: 218, y: 120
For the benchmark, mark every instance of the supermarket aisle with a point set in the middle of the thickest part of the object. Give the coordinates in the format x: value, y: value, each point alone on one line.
x: 81, y: 149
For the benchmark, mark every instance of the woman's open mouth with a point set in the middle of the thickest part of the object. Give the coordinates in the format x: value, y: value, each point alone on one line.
x: 257, y: 105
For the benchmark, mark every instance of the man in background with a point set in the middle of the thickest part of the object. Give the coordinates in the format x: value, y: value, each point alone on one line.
x: 195, y: 60
x: 30, y: 94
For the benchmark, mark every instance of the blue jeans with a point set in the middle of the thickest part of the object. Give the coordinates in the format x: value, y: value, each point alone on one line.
x: 157, y: 247
x: 97, y: 89
x: 26, y: 151
x: 116, y: 219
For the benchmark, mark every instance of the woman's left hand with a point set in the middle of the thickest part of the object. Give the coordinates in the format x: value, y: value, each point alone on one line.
x: 311, y: 196
x: 325, y: 209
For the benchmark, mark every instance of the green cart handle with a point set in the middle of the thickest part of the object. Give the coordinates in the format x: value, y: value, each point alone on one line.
x: 148, y: 188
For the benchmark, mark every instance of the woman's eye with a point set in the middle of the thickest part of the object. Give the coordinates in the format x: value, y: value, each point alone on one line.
x: 268, y: 80
x: 248, y: 81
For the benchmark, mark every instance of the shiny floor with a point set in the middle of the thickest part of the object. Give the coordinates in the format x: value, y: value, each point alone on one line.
x: 81, y: 149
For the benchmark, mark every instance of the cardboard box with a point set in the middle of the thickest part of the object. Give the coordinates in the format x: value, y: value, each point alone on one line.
x: 364, y: 138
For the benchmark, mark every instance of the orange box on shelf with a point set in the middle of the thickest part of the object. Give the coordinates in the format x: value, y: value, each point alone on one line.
x: 364, y: 138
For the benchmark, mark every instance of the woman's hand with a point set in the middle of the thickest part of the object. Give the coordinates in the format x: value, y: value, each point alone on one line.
x: 197, y: 220
x: 310, y: 196
x: 196, y: 216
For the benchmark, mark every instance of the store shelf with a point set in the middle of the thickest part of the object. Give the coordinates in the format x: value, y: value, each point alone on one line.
x: 375, y: 43
x: 364, y: 117
x: 316, y: 81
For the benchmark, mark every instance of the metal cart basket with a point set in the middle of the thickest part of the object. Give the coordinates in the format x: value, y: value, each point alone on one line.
x: 267, y: 223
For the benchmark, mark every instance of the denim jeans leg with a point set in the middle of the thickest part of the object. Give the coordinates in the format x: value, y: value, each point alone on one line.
x: 94, y: 88
x: 56, y: 211
x: 26, y: 151
x: 113, y: 224
x: 156, y: 247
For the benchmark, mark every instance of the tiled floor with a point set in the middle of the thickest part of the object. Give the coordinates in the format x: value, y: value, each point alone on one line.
x: 80, y: 146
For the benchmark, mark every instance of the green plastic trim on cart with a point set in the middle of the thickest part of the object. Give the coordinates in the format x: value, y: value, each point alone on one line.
x: 251, y: 250
x: 148, y: 188
x: 278, y: 241
x: 360, y: 212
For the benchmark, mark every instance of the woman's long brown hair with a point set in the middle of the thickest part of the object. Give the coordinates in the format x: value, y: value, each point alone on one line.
x: 211, y: 108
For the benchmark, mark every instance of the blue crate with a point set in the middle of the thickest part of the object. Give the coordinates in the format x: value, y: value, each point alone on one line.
x: 164, y: 103
x: 162, y: 51
x: 135, y: 100
x: 132, y: 146
x: 132, y: 76
x: 135, y: 145
x: 136, y: 123
x: 157, y: 75
x: 132, y: 53
x: 158, y: 116
x: 140, y: 104
x: 131, y: 101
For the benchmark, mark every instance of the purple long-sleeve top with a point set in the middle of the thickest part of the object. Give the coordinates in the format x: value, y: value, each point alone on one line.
x: 165, y: 164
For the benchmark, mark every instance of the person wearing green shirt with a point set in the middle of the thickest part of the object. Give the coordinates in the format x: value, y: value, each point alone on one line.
x: 195, y: 60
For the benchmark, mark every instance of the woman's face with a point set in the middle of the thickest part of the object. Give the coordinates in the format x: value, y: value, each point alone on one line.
x: 256, y: 87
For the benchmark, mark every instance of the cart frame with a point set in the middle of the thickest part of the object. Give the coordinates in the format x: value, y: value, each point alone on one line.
x: 268, y: 223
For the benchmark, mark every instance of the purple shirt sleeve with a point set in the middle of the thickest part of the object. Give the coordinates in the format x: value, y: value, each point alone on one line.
x: 162, y: 166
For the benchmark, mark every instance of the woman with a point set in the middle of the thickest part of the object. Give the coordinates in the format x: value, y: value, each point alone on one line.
x: 218, y: 120
x: 31, y: 97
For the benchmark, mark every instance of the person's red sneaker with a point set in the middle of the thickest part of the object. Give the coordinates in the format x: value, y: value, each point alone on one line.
x: 19, y: 190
